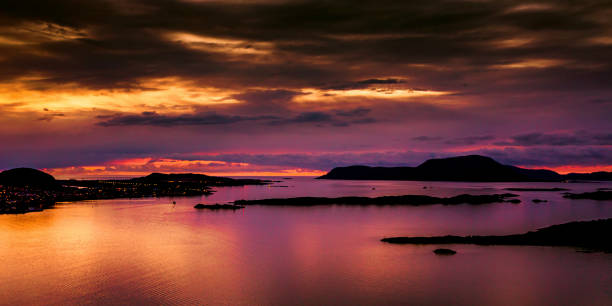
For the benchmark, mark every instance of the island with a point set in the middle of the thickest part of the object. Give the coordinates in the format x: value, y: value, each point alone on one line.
x: 218, y: 206
x: 414, y: 200
x: 582, y: 234
x: 599, y: 195
x: 470, y: 168
x: 535, y: 189
x: 444, y: 252
x: 24, y: 189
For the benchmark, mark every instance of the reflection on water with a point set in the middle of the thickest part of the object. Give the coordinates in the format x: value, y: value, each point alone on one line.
x: 150, y: 251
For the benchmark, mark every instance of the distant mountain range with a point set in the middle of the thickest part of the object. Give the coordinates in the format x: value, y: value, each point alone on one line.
x: 470, y: 168
x: 39, y: 179
x: 203, y: 179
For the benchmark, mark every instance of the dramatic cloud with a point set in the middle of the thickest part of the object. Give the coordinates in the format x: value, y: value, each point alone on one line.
x: 153, y: 118
x: 558, y: 139
x: 90, y: 82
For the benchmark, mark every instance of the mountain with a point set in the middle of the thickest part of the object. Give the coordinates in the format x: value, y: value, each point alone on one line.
x: 21, y: 177
x: 474, y: 168
x: 192, y: 178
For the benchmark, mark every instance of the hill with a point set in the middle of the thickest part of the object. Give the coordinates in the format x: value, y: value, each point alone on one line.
x: 192, y: 178
x: 473, y: 168
x: 21, y: 177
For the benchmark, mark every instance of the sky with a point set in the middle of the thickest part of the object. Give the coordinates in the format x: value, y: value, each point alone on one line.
x: 271, y: 87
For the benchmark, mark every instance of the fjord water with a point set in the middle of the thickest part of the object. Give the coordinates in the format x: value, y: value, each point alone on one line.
x: 150, y: 251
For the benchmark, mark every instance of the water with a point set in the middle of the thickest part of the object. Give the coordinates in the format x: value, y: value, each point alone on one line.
x: 149, y: 251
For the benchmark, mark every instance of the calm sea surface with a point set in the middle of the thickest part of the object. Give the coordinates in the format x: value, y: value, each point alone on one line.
x: 148, y: 251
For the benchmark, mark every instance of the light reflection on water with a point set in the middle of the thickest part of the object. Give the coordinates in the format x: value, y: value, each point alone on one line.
x: 150, y: 251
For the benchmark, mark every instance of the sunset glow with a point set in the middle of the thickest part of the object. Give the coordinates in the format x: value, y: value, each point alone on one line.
x: 305, y: 152
x: 259, y: 85
x: 144, y: 166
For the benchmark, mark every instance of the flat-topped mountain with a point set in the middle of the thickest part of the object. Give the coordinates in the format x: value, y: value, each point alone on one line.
x: 23, y: 177
x: 474, y: 168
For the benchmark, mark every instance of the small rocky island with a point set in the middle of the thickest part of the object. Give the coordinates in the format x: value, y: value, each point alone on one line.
x: 414, y: 200
x: 599, y: 195
x: 588, y: 235
x: 444, y: 252
x: 24, y: 189
x: 536, y: 189
x: 218, y: 206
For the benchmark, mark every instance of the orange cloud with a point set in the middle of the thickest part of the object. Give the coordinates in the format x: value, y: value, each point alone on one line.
x: 144, y: 166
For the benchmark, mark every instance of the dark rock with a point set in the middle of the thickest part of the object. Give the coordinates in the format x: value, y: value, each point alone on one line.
x: 444, y: 252
x: 538, y: 201
x: 218, y: 206
x: 514, y: 201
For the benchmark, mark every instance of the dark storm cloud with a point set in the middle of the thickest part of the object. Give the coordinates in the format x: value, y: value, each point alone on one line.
x: 211, y: 118
x: 313, y: 117
x: 365, y: 84
x: 155, y: 119
x: 356, y: 112
x: 559, y: 139
x: 314, y: 43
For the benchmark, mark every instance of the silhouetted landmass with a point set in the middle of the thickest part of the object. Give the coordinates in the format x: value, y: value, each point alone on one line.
x: 218, y: 206
x: 21, y: 177
x: 24, y: 190
x: 414, y: 200
x: 538, y: 201
x: 198, y: 179
x: 599, y: 195
x: 536, y: 189
x: 595, y: 176
x: 471, y: 168
x: 585, y: 234
x: 444, y: 252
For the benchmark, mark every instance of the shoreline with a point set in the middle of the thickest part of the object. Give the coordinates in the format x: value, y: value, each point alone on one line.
x: 413, y: 200
x: 580, y: 234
